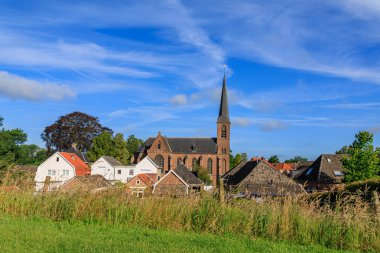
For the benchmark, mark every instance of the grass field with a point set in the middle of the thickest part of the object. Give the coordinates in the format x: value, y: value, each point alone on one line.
x: 42, y: 235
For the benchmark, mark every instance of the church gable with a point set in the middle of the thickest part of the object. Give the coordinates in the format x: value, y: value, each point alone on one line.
x: 160, y: 144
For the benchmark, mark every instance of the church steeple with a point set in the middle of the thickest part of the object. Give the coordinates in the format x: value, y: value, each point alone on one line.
x: 224, y: 116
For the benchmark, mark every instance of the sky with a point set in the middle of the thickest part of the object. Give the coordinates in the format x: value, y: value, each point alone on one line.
x: 303, y: 77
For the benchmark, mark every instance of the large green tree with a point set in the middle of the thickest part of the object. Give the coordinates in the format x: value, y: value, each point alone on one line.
x: 76, y: 127
x: 101, y: 145
x: 202, y: 174
x: 238, y: 158
x: 121, y: 152
x: 31, y: 155
x: 133, y: 144
x: 362, y: 161
x: 106, y: 144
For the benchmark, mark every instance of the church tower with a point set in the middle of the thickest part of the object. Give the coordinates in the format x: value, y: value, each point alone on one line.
x: 223, y: 133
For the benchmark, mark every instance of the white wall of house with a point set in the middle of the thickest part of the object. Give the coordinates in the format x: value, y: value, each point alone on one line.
x: 123, y: 173
x: 59, y: 170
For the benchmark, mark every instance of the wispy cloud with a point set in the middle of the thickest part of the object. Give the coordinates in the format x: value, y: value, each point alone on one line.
x: 16, y: 87
x: 356, y: 106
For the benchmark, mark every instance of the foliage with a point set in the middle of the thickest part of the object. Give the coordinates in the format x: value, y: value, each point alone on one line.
x: 121, y: 151
x: 24, y: 235
x: 274, y: 159
x: 349, y: 225
x: 202, y: 174
x: 343, y: 150
x: 362, y: 161
x: 10, y: 141
x: 1, y: 121
x: 296, y: 159
x: 76, y: 127
x: 364, y: 186
x: 133, y: 144
x: 106, y: 145
x: 31, y: 155
x: 238, y: 158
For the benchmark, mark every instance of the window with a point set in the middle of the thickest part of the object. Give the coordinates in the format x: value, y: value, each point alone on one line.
x: 224, y: 151
x: 57, y: 159
x: 194, y: 163
x: 179, y: 161
x: 131, y: 172
x: 224, y: 166
x: 224, y: 132
x: 49, y: 172
x: 329, y: 160
x: 159, y: 160
x: 309, y: 171
x: 209, y: 166
x: 138, y: 182
x: 159, y: 145
x: 338, y: 173
x: 119, y: 172
x: 65, y: 173
x: 53, y: 172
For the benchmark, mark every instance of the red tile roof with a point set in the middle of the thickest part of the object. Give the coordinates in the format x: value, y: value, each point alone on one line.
x: 148, y: 179
x: 285, y: 166
x: 81, y: 169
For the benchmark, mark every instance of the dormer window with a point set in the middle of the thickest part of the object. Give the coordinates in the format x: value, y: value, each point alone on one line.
x: 224, y: 132
x: 159, y: 145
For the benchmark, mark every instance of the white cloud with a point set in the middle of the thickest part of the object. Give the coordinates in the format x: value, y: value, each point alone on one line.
x: 17, y: 87
x: 241, y: 121
x: 179, y: 99
x: 273, y: 125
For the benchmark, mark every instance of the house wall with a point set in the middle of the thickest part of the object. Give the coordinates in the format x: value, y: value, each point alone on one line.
x: 57, y: 165
x: 171, y: 185
x: 101, y: 167
x: 133, y: 188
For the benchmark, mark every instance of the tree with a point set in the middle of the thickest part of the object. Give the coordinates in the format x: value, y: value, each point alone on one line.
x: 30, y: 155
x: 133, y: 144
x: 238, y: 158
x: 274, y: 159
x: 362, y: 161
x: 296, y: 159
x: 102, y: 145
x: 202, y: 174
x: 76, y: 127
x: 121, y: 152
x: 343, y: 150
x: 1, y: 121
x: 105, y: 144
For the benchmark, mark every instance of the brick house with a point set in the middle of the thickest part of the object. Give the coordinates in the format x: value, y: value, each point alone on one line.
x: 141, y: 185
x: 211, y: 153
x: 178, y: 182
x: 258, y: 177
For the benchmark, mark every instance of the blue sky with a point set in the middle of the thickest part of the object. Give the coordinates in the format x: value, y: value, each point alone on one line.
x: 303, y: 76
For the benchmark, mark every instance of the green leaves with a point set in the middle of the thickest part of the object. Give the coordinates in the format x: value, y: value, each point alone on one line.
x: 362, y: 161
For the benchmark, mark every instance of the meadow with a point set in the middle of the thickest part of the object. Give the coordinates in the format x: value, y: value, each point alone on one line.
x: 349, y: 224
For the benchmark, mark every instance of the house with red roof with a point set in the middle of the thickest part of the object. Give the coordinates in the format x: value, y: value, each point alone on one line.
x: 59, y: 168
x: 141, y: 185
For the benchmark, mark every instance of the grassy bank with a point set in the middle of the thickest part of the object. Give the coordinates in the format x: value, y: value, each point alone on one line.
x: 42, y: 235
x: 351, y: 224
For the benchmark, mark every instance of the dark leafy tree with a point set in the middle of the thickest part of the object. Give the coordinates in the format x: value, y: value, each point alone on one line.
x: 274, y: 159
x: 362, y: 161
x: 296, y: 159
x: 202, y: 174
x: 76, y: 127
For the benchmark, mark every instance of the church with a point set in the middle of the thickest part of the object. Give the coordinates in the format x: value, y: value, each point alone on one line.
x: 211, y: 153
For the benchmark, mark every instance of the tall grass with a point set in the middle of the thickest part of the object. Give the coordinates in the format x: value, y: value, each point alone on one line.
x: 349, y: 225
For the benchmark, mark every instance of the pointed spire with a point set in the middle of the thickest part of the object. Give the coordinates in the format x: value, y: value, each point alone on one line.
x: 224, y: 116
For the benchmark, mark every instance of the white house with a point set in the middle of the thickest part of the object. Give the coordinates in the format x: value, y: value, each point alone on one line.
x: 112, y: 170
x: 59, y: 168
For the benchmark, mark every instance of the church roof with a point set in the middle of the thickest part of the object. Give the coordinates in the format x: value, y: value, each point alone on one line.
x: 186, y: 145
x: 224, y: 116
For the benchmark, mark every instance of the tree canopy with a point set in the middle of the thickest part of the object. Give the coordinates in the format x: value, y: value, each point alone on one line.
x: 75, y: 127
x: 296, y: 159
x: 362, y: 161
x: 133, y: 144
x: 274, y: 159
x: 238, y: 158
x: 107, y: 145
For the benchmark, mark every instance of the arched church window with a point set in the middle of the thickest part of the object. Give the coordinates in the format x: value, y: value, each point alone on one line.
x: 159, y: 145
x: 195, y: 162
x: 224, y: 166
x: 159, y: 160
x: 209, y: 166
x: 179, y: 161
x: 224, y: 132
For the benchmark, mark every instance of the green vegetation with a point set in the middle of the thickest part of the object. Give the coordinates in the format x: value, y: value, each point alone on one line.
x: 41, y: 235
x: 296, y: 159
x: 362, y: 161
x: 133, y: 144
x: 202, y: 174
x: 349, y: 225
x: 238, y: 158
x: 274, y: 159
